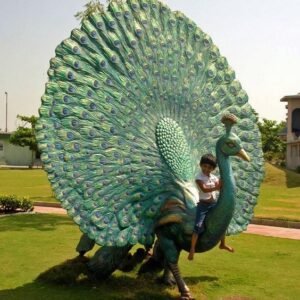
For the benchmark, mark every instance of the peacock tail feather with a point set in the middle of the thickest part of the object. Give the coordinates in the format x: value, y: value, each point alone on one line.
x: 134, y: 99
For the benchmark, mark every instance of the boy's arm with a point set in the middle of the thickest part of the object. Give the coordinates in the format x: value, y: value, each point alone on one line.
x: 206, y: 189
x: 220, y: 183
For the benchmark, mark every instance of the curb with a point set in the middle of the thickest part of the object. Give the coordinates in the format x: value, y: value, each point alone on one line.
x: 47, y: 204
x: 276, y: 223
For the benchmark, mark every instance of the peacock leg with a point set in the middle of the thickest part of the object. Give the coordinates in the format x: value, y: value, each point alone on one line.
x: 183, y: 288
x: 106, y: 260
x: 167, y: 277
x: 171, y: 253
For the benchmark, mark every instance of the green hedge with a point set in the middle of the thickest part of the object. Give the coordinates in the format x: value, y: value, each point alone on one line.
x: 12, y: 203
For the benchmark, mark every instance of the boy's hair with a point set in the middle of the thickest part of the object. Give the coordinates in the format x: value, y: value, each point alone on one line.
x: 209, y: 159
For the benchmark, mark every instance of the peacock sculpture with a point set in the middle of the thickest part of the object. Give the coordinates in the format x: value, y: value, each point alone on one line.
x: 134, y: 99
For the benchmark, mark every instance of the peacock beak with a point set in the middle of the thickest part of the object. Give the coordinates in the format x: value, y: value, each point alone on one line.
x: 243, y: 155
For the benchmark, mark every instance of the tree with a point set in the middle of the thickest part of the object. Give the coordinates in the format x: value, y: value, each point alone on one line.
x: 273, y: 146
x: 25, y: 136
x: 90, y: 7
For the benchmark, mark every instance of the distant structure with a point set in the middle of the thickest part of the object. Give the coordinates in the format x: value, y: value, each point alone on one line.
x: 13, y: 155
x: 293, y: 131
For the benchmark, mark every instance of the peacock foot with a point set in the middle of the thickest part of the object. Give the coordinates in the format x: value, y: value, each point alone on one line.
x: 186, y: 296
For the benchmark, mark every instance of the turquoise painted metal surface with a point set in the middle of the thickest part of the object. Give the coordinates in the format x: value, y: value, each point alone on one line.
x: 134, y: 98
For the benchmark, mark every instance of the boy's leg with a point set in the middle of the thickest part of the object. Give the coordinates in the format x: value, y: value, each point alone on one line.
x: 193, y: 246
x: 198, y: 228
x: 223, y: 245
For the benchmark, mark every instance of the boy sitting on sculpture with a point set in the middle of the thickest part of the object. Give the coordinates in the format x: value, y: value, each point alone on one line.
x: 208, y: 186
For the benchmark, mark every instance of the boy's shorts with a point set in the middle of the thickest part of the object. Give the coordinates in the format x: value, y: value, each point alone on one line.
x: 202, y: 210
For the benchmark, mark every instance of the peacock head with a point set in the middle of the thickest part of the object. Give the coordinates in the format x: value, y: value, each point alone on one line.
x: 230, y: 143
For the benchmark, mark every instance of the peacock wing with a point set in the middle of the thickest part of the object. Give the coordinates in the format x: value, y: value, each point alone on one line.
x: 133, y: 100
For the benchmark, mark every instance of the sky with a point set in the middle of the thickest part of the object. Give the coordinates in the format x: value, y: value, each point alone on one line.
x: 259, y: 38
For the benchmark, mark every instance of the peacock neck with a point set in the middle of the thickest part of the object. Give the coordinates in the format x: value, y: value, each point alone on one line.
x: 227, y: 193
x: 226, y: 199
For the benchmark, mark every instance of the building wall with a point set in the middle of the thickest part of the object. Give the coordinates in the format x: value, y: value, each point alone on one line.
x: 293, y: 142
x: 14, y: 155
x: 293, y: 155
x: 2, y: 160
x: 292, y: 105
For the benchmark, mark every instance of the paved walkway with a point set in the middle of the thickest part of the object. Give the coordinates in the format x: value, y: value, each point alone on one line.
x: 49, y: 210
x: 280, y: 232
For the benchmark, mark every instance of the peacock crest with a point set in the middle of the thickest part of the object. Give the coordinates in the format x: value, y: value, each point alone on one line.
x: 134, y: 98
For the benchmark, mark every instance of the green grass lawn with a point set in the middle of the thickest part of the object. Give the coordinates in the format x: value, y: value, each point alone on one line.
x: 261, y: 267
x: 279, y: 195
x: 32, y: 183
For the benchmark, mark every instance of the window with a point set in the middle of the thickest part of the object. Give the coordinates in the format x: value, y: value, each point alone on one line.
x: 1, y: 147
x: 296, y: 122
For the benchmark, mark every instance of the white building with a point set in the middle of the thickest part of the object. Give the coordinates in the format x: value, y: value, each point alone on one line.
x: 13, y: 155
x: 293, y: 131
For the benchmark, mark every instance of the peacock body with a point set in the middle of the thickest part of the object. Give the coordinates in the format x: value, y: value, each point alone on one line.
x: 134, y: 99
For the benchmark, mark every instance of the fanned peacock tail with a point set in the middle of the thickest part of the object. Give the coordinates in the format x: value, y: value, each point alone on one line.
x: 133, y: 100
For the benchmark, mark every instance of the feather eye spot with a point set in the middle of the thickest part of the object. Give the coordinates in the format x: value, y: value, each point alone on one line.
x: 93, y: 106
x: 66, y: 99
x: 109, y: 99
x: 70, y: 135
x: 56, y: 125
x: 127, y: 14
x: 65, y: 111
x: 145, y: 22
x: 135, y: 7
x: 83, y: 40
x: 112, y: 130
x: 93, y: 34
x: 117, y: 43
x: 145, y: 5
x: 85, y: 115
x: 76, y: 65
x: 96, y: 84
x: 133, y: 43
x: 109, y: 82
x: 71, y: 89
x: 139, y: 32
x: 103, y: 64
x: 100, y: 25
x: 70, y: 76
x: 118, y: 14
x: 58, y: 146
x: 104, y: 145
x: 112, y: 24
x: 90, y: 191
x: 172, y: 22
x: 75, y: 123
x: 76, y: 146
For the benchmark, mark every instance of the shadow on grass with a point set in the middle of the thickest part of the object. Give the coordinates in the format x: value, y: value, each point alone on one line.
x: 45, y: 222
x: 70, y: 280
x: 292, y: 177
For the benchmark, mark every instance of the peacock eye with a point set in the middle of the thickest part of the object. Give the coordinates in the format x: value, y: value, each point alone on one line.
x: 230, y: 144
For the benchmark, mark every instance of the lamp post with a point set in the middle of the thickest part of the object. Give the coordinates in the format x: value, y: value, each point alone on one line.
x: 6, y: 94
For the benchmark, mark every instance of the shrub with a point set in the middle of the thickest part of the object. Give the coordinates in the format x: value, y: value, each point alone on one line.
x: 298, y: 169
x: 12, y: 203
